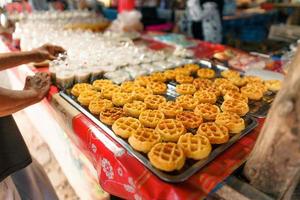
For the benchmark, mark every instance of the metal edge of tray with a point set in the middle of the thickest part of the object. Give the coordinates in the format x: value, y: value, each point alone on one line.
x: 166, y: 177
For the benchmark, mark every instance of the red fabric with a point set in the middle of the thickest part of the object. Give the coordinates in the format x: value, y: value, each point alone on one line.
x: 126, y: 5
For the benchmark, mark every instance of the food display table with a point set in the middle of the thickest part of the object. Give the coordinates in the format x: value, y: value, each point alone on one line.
x: 122, y: 175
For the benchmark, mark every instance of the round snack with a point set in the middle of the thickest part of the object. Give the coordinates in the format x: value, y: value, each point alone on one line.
x: 167, y: 156
x: 200, y: 83
x: 217, y: 134
x: 238, y: 81
x: 207, y: 111
x: 141, y: 93
x: 87, y: 96
x: 121, y: 98
x: 101, y: 84
x: 189, y: 119
x: 273, y: 85
x: 129, y: 86
x: 188, y: 102
x: 232, y: 121
x: 150, y: 118
x: 157, y: 87
x: 108, y: 92
x: 158, y: 77
x: 206, y: 73
x: 110, y: 115
x: 134, y: 109
x: 214, y: 90
x: 230, y: 74
x: 184, y: 79
x: 170, y: 130
x: 97, y: 105
x: 142, y: 80
x: 220, y: 81
x: 225, y: 87
x: 126, y: 126
x: 235, y: 106
x: 205, y: 97
x: 196, y: 147
x: 80, y: 87
x: 153, y: 101
x: 253, y: 79
x: 170, y: 74
x: 253, y: 93
x: 170, y: 109
x: 185, y: 88
x: 144, y: 139
x: 192, y: 67
x: 182, y: 71
x: 236, y: 96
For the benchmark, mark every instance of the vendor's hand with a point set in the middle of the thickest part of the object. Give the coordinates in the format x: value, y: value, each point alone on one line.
x: 39, y: 84
x: 47, y: 52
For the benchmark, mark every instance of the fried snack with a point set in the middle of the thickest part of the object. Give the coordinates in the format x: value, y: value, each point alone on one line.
x: 217, y: 134
x: 235, y: 106
x: 158, y: 77
x: 182, y: 71
x: 207, y: 111
x: 141, y: 93
x: 204, y: 96
x: 196, y: 147
x: 129, y: 86
x: 189, y: 119
x: 187, y: 102
x: 238, y: 81
x: 110, y: 115
x: 98, y: 105
x: 150, y: 118
x: 193, y: 68
x: 201, y: 83
x: 144, y: 139
x: 101, y: 84
x: 143, y: 80
x: 225, y: 87
x: 167, y: 156
x: 126, y: 126
x: 81, y: 87
x: 170, y: 130
x: 232, y: 121
x: 134, y: 109
x: 185, y: 88
x: 157, y: 87
x: 253, y: 93
x: 273, y: 85
x: 170, y: 74
x: 153, y: 101
x: 236, y: 95
x: 253, y: 79
x: 206, y: 73
x: 121, y: 98
x: 108, y: 92
x: 170, y: 109
x: 184, y: 79
x: 87, y: 96
x: 214, y: 90
x: 230, y: 74
x: 220, y: 81
x: 259, y: 86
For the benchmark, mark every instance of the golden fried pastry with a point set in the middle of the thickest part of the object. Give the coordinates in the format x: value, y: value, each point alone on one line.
x: 206, y: 73
x: 184, y: 79
x: 220, y: 81
x: 98, y: 105
x: 87, y: 96
x: 129, y: 86
x: 170, y: 109
x: 158, y: 77
x: 201, y: 83
x: 153, y: 101
x: 214, y: 90
x: 170, y: 74
x: 217, y: 134
x: 170, y: 129
x: 225, y: 87
x: 182, y: 71
x: 232, y: 121
x: 187, y: 102
x: 150, y: 118
x: 121, y: 98
x: 143, y: 80
x: 185, y: 88
x: 167, y: 157
x: 108, y: 92
x: 238, y: 81
x: 80, y: 87
x: 235, y: 106
x: 204, y: 96
x: 126, y: 126
x: 141, y: 93
x: 196, y: 147
x: 230, y: 74
x: 110, y: 115
x: 207, y: 111
x: 273, y: 85
x: 193, y: 68
x: 157, y: 87
x: 253, y: 93
x: 189, y: 119
x: 101, y: 84
x: 144, y: 139
x: 236, y: 95
x: 134, y: 109
x: 253, y: 79
x: 259, y: 86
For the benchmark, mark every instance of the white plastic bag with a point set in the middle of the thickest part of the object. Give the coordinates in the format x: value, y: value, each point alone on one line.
x: 127, y: 21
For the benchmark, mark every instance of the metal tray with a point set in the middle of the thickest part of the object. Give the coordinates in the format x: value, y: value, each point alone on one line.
x: 190, y: 167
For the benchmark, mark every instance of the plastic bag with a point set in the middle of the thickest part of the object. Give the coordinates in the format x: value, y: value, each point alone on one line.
x: 128, y: 21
